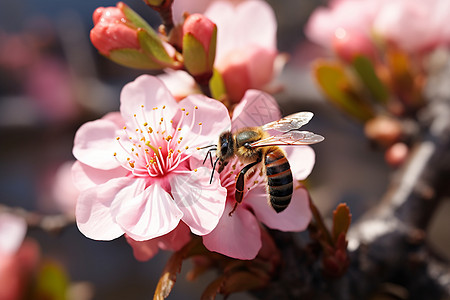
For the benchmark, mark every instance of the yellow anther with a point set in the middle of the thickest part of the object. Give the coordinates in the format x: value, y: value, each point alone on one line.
x: 179, y: 151
x: 134, y: 115
x: 118, y: 138
x: 150, y: 130
x: 145, y: 124
x: 131, y: 164
x: 160, y: 147
x: 142, y: 106
x: 162, y: 119
x: 255, y: 182
x: 187, y: 147
x: 132, y: 149
x: 137, y: 129
x: 171, y: 121
x: 130, y: 138
x: 181, y: 138
x: 115, y: 154
x: 179, y: 129
x: 128, y: 158
x: 187, y: 113
x: 124, y: 127
x: 164, y: 106
x: 196, y: 107
x: 198, y: 148
x: 168, y: 138
x: 183, y: 109
x: 200, y: 123
x: 195, y: 170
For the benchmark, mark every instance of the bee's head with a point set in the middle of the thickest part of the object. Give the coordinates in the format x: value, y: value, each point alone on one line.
x: 225, y: 147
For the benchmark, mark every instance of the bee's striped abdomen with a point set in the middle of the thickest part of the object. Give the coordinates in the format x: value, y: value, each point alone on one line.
x: 279, y: 179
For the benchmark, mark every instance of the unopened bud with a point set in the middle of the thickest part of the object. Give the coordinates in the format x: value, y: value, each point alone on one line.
x: 199, y: 46
x: 123, y: 36
x: 384, y: 130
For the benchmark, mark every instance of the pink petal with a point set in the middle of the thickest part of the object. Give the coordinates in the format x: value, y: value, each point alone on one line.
x: 150, y: 92
x: 93, y: 211
x: 179, y: 83
x: 174, y: 240
x: 301, y: 160
x: 147, y: 213
x: 12, y: 233
x: 85, y: 177
x: 248, y: 24
x: 295, y: 217
x: 256, y: 109
x: 95, y: 143
x: 202, y: 203
x: 213, y: 116
x: 237, y: 236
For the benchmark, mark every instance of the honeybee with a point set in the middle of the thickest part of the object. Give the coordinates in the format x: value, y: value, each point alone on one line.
x: 254, y: 145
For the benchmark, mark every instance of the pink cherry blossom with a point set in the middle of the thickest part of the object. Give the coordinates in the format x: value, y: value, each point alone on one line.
x: 18, y: 257
x: 134, y: 169
x: 239, y: 235
x: 412, y: 25
x: 246, y: 49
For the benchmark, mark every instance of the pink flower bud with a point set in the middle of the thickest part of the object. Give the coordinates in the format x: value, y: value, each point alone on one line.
x: 111, y: 30
x: 348, y: 44
x: 199, y: 45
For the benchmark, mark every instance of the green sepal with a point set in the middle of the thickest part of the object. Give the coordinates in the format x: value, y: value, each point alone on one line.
x: 133, y: 58
x: 217, y: 86
x: 339, y: 89
x: 366, y: 72
x: 133, y: 19
x: 195, y: 59
x: 153, y: 46
x: 212, y: 49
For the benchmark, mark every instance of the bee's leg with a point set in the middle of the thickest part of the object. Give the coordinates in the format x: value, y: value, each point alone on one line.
x: 239, y: 194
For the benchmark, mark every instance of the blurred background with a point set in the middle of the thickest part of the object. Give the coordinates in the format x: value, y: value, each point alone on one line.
x: 52, y: 80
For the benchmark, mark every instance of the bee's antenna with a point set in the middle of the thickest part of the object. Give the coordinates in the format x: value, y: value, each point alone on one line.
x: 213, y: 145
x: 210, y: 155
x: 212, y: 172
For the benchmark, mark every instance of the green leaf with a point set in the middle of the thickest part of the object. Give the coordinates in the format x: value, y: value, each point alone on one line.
x: 336, y: 84
x: 133, y: 58
x: 194, y: 54
x: 341, y: 221
x: 366, y: 72
x: 153, y: 46
x: 52, y: 283
x: 217, y: 86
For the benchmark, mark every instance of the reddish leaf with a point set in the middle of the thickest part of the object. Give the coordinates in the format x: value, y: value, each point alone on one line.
x: 341, y: 221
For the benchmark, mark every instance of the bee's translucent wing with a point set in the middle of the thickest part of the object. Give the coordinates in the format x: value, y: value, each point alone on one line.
x: 291, y: 122
x: 294, y: 137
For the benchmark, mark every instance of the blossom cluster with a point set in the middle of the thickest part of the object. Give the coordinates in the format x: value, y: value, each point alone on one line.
x: 142, y: 172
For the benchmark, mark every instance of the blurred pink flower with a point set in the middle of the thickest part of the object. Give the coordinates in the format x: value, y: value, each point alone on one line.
x: 137, y: 179
x: 18, y: 257
x: 412, y: 25
x: 246, y: 49
x: 239, y: 235
x: 111, y: 30
x: 63, y: 191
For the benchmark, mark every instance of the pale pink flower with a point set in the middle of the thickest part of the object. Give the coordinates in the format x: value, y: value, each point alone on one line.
x: 239, y: 235
x: 18, y: 257
x: 414, y: 25
x: 246, y: 48
x: 63, y: 191
x: 134, y: 169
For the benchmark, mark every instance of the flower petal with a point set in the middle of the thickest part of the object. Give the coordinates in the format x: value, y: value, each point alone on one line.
x: 212, y: 115
x: 179, y: 83
x: 147, y: 213
x: 93, y: 211
x: 12, y: 233
x: 295, y: 217
x: 301, y: 159
x: 95, y: 143
x: 174, y: 240
x: 202, y: 203
x: 256, y: 109
x: 150, y: 92
x: 238, y: 236
x: 85, y: 177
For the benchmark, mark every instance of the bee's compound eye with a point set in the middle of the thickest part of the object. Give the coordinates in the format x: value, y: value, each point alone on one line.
x: 224, y: 148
